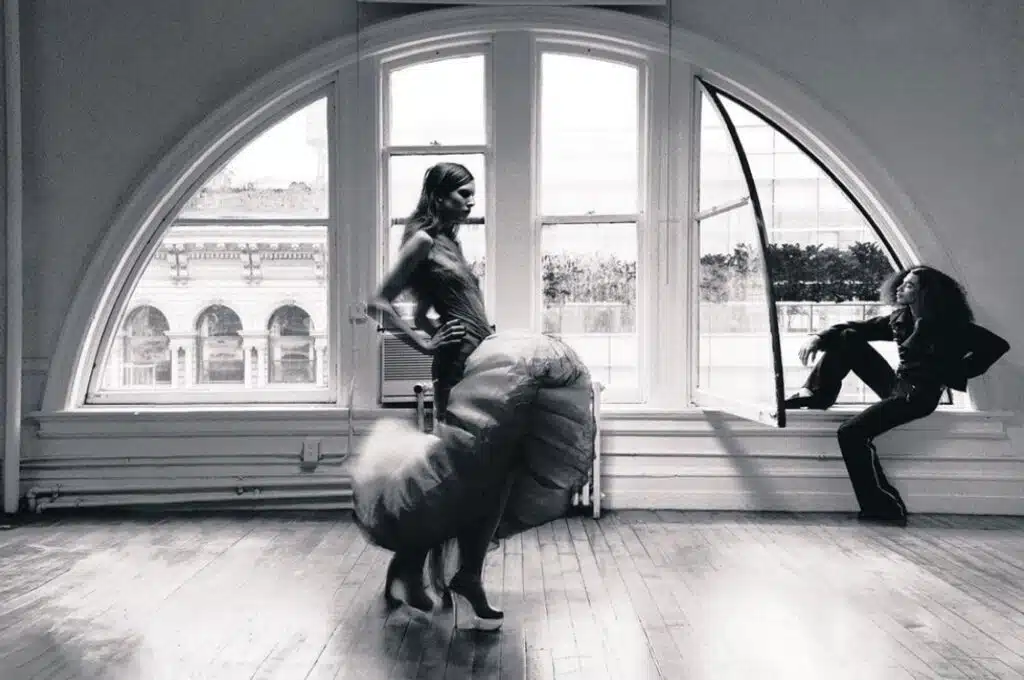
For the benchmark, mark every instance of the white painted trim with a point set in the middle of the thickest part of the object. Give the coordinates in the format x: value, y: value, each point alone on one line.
x: 14, y: 294
x: 247, y: 419
x: 140, y: 219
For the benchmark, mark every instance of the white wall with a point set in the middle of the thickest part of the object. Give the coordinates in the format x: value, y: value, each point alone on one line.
x: 933, y: 89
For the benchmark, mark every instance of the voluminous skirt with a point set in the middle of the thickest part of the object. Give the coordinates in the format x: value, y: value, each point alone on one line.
x: 521, y: 416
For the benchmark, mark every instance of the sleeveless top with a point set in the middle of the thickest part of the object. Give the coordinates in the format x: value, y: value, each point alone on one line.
x: 445, y: 281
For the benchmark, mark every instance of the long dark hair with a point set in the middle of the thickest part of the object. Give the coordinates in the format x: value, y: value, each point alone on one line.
x: 941, y: 297
x: 439, y: 181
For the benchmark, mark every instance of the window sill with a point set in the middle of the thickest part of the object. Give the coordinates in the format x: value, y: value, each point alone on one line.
x: 834, y: 413
x: 327, y: 420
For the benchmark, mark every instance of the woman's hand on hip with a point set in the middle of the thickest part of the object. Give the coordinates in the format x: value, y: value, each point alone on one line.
x: 450, y: 333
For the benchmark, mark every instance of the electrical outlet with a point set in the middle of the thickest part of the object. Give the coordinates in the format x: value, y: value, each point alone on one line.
x: 311, y: 451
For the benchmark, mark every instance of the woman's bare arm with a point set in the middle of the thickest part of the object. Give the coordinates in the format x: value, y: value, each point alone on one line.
x: 396, y: 281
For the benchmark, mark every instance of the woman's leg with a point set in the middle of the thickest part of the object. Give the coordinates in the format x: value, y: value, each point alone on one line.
x: 849, y: 353
x: 474, y: 541
x: 406, y: 570
x: 878, y: 499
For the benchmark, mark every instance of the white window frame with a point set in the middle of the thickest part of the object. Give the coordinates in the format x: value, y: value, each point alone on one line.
x: 346, y: 67
x: 647, y: 263
x: 206, y: 393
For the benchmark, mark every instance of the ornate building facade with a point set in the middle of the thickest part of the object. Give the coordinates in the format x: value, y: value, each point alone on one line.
x: 236, y: 306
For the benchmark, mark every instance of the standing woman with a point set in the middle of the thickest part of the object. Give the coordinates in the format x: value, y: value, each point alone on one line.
x: 938, y: 347
x: 431, y: 265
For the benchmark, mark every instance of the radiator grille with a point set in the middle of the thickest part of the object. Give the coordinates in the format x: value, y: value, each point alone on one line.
x: 401, y: 369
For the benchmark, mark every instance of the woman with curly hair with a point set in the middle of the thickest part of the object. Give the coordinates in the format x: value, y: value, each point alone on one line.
x: 939, y: 346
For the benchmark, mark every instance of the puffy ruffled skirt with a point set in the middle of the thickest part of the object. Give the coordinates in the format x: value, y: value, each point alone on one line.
x: 521, y: 416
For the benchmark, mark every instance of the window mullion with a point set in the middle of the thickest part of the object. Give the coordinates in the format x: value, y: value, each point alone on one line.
x: 669, y: 232
x: 512, y: 239
x: 361, y: 206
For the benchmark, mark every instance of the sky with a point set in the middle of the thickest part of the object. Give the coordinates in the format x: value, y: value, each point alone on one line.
x: 588, y: 146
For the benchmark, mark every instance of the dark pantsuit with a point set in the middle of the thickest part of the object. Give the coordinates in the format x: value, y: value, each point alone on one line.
x: 901, y: 402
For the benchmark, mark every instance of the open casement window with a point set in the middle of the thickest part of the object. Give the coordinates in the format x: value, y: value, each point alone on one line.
x: 766, y: 202
x: 739, y: 362
x: 231, y: 305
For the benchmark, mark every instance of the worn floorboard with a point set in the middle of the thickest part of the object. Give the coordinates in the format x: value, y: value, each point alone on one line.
x: 679, y: 595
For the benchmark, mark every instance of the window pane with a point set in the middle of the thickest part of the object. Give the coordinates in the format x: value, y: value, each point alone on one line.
x: 282, y: 172
x: 291, y: 347
x: 827, y: 262
x: 147, y: 348
x: 405, y: 182
x: 590, y: 296
x: 419, y: 112
x: 589, y: 136
x: 217, y: 321
x: 735, y: 350
x: 721, y: 177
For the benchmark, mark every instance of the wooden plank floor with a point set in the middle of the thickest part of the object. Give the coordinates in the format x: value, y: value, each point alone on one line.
x: 634, y: 595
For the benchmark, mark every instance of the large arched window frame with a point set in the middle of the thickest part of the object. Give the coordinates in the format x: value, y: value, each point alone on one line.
x: 349, y: 70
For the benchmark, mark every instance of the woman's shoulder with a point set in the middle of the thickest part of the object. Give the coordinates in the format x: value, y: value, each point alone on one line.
x: 417, y: 247
x: 421, y: 240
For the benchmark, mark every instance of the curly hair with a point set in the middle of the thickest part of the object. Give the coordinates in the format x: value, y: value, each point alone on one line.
x: 941, y: 297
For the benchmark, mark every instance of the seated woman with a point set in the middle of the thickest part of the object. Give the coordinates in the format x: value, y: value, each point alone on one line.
x: 938, y: 347
x: 472, y: 461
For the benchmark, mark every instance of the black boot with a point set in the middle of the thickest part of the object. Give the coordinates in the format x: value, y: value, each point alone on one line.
x: 472, y: 612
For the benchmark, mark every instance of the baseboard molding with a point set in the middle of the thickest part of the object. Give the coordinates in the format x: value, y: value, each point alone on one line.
x: 976, y: 503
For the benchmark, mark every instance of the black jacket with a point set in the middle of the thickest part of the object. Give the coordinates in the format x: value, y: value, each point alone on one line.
x: 929, y: 352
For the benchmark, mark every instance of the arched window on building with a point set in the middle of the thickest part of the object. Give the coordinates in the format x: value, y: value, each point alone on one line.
x: 220, y: 357
x: 146, y: 348
x: 292, y: 349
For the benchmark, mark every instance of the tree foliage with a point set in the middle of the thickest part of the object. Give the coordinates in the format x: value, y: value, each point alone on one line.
x: 811, y: 273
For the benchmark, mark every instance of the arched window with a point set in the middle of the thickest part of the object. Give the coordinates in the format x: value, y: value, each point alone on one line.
x: 257, y: 226
x: 145, y: 349
x: 220, y: 356
x: 291, y: 347
x: 678, y: 229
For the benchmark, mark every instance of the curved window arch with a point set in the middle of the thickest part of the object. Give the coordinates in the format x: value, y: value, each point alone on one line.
x: 664, y: 247
x: 824, y: 256
x: 292, y: 349
x: 258, y: 221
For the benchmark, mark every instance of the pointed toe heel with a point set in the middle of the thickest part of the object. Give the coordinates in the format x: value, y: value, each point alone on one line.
x: 467, y: 618
x: 472, y: 612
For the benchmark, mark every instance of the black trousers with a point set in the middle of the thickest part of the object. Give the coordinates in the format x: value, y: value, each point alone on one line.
x: 901, y: 402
